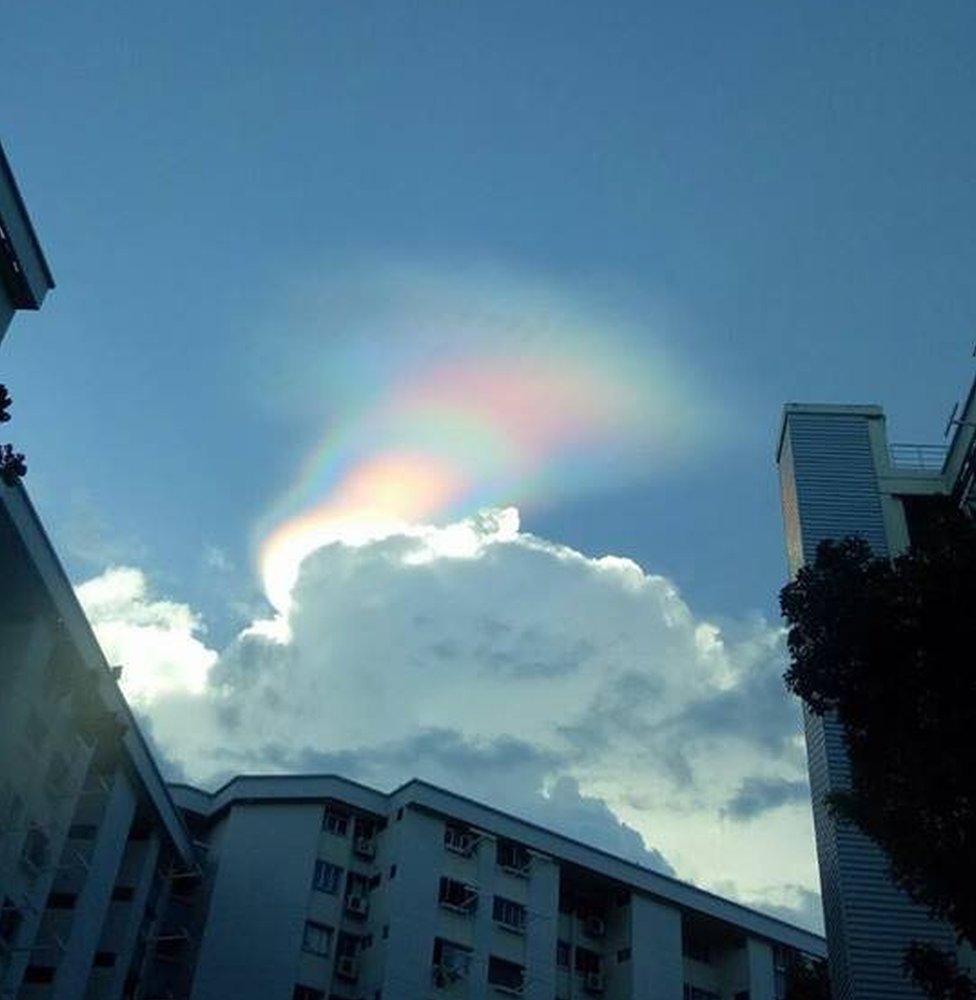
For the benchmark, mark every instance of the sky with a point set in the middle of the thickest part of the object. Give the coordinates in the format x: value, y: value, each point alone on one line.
x: 408, y: 398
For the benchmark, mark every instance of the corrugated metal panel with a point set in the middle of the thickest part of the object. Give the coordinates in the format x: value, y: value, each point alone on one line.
x: 830, y: 490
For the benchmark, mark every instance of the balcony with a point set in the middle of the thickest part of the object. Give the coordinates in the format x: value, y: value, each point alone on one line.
x: 917, y: 457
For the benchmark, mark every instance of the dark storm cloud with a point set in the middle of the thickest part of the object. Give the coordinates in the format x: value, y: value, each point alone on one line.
x: 758, y: 795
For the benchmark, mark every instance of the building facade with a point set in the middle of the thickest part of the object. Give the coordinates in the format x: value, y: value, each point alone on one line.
x: 839, y: 476
x: 92, y: 850
x: 25, y: 278
x: 315, y: 887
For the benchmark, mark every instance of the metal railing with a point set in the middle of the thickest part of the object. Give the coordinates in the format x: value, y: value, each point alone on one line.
x: 918, y: 457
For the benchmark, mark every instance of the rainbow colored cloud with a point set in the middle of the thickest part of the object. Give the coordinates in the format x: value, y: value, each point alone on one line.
x: 515, y: 399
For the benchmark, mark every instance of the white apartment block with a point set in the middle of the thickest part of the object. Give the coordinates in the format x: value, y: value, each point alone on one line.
x: 316, y: 887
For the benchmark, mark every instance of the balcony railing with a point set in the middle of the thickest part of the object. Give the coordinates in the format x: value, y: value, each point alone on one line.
x: 918, y: 457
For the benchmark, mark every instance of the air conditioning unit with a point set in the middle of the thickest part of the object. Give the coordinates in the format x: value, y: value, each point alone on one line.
x: 357, y: 905
x: 366, y: 847
x: 347, y: 967
x: 594, y: 982
x: 595, y: 927
x: 512, y: 991
x: 445, y: 975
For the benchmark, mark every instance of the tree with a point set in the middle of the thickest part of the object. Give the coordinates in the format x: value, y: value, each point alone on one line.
x: 12, y: 465
x: 890, y: 647
x: 806, y: 979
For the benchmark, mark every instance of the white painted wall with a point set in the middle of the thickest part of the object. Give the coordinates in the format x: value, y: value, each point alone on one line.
x: 656, y: 960
x: 253, y: 936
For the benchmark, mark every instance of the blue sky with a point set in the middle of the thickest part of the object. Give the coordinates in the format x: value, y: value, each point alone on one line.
x: 793, y: 180
x: 777, y: 196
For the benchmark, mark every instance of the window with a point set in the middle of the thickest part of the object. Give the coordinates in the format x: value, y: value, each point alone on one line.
x: 386, y: 931
x: 452, y: 962
x: 623, y: 955
x: 508, y: 913
x: 82, y: 831
x: 10, y: 920
x: 348, y: 945
x: 393, y: 871
x: 458, y: 839
x: 62, y: 900
x: 335, y: 822
x: 513, y: 857
x: 317, y: 938
x: 37, y: 849
x: 696, y: 949
x: 374, y: 882
x: 303, y: 992
x: 39, y: 974
x: 587, y: 961
x: 104, y: 959
x: 327, y: 877
x: 365, y: 942
x: 564, y: 951
x: 506, y: 976
x: 458, y: 896
x: 399, y: 815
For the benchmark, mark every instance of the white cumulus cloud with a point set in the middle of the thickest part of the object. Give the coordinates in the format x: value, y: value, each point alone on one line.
x: 582, y: 693
x: 158, y: 643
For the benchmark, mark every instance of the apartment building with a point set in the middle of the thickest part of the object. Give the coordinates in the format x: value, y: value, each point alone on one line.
x: 92, y: 849
x: 316, y: 887
x: 840, y: 476
x: 25, y: 278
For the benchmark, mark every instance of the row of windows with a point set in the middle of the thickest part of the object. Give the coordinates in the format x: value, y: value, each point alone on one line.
x: 337, y: 822
x: 317, y: 940
x: 452, y: 963
x: 586, y: 961
x: 509, y: 855
x: 463, y: 898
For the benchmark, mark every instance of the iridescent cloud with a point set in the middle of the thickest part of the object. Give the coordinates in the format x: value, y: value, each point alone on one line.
x: 514, y: 398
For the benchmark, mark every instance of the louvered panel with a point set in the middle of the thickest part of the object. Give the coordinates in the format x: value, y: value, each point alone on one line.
x: 830, y: 490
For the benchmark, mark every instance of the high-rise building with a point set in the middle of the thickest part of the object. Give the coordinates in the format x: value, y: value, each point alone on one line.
x: 25, y: 278
x: 92, y: 850
x: 315, y: 887
x: 839, y: 476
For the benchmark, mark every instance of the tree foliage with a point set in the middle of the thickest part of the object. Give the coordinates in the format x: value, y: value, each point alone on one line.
x: 806, y: 979
x: 12, y: 464
x: 937, y: 974
x: 890, y: 647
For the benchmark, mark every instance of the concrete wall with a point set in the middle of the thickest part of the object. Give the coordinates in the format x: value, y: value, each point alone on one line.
x: 543, y: 904
x: 830, y: 464
x: 417, y: 845
x: 93, y: 900
x: 656, y: 961
x: 762, y: 982
x: 253, y: 936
